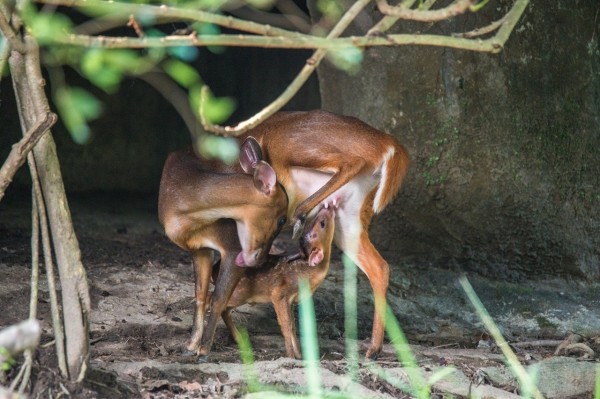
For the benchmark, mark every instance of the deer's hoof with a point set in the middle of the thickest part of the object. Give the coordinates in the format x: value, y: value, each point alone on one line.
x: 373, y: 353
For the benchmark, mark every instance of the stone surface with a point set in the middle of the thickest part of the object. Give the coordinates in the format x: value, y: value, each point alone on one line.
x: 505, y: 176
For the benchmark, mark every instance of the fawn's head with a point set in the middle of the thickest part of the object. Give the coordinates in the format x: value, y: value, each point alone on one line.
x: 315, y: 242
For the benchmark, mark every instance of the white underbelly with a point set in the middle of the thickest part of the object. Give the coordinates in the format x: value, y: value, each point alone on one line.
x: 349, y: 200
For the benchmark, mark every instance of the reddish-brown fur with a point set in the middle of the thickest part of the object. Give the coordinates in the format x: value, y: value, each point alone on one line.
x: 277, y: 280
x: 195, y: 194
x: 347, y: 149
x: 353, y: 154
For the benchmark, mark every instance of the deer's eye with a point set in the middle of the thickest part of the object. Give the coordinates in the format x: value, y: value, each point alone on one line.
x: 281, y: 221
x: 322, y: 224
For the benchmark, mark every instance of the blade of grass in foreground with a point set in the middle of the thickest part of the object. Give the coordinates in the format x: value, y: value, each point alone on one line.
x: 526, y: 381
x: 418, y: 386
x: 597, y: 388
x: 248, y: 361
x: 350, y: 323
x: 308, y: 338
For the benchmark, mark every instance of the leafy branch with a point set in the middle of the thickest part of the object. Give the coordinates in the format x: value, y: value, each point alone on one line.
x: 253, y: 34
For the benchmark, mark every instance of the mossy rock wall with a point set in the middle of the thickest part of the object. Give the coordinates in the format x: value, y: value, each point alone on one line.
x: 505, y: 148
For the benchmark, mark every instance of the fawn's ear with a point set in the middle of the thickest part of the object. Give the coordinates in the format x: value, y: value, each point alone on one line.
x: 315, y: 257
x: 250, y: 154
x: 265, y: 178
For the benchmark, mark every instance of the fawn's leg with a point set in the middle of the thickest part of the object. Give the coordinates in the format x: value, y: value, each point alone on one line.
x: 285, y: 317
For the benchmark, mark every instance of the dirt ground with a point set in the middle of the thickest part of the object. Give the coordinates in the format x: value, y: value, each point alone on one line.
x: 142, y: 308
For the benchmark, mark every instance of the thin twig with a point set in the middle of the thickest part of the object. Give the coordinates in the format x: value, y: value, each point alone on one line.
x: 133, y: 23
x: 455, y: 8
x: 511, y: 18
x: 485, y: 29
x: 389, y: 20
x: 35, y: 278
x: 19, y: 152
x: 10, y: 35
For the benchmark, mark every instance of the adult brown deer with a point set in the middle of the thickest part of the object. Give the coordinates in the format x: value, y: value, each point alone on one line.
x: 277, y: 280
x: 320, y: 157
x: 195, y: 194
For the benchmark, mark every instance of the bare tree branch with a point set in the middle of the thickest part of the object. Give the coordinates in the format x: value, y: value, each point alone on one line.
x: 389, y: 20
x: 59, y: 335
x: 510, y: 21
x: 300, y: 41
x: 311, y: 64
x: 165, y: 13
x: 455, y: 8
x: 19, y: 152
x: 454, y: 41
x: 484, y: 30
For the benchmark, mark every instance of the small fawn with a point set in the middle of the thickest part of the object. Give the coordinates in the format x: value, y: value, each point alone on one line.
x: 277, y: 280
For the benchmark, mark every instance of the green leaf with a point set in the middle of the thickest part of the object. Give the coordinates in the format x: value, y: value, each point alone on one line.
x: 185, y: 53
x: 331, y: 9
x: 216, y: 109
x: 48, y: 28
x: 224, y: 148
x: 219, y: 109
x: 87, y: 104
x: 205, y: 29
x: 347, y: 59
x: 76, y: 107
x: 106, y: 68
x: 95, y: 68
x: 182, y: 73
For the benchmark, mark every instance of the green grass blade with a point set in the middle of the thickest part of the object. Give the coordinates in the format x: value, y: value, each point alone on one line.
x: 308, y: 339
x: 597, y: 387
x: 350, y: 311
x: 382, y: 373
x: 418, y: 384
x: 248, y: 360
x: 526, y: 381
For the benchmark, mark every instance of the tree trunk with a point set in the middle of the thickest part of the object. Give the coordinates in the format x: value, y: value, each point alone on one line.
x: 33, y: 104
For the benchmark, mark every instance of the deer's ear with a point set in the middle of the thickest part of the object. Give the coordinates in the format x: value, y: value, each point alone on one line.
x: 265, y: 178
x: 250, y: 154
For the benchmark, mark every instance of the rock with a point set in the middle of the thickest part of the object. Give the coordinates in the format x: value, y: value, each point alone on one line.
x: 563, y: 377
